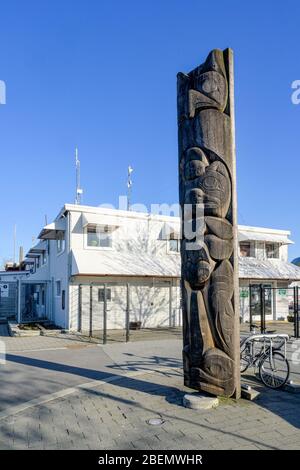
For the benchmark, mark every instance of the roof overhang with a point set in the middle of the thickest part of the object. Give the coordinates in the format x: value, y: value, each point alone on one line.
x: 54, y: 230
x: 100, y: 220
x: 37, y: 250
x: 275, y: 269
x: 243, y: 235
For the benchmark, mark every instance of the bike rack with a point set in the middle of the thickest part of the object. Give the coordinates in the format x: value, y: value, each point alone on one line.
x: 269, y: 337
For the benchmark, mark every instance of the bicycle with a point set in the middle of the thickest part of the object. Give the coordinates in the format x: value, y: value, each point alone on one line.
x: 273, y: 366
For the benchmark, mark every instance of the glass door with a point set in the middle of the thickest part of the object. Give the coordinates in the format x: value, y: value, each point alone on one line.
x: 255, y: 301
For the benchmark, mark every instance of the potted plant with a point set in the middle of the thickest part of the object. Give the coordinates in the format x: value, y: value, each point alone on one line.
x: 135, y: 325
x: 290, y: 317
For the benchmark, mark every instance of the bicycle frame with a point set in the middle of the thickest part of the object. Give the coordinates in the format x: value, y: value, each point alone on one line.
x: 267, y: 346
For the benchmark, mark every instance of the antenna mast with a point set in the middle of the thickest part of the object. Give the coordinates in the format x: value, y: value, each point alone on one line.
x: 129, y: 187
x: 78, y: 188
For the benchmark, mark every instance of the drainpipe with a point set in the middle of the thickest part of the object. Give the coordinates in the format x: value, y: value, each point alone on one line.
x: 171, y: 322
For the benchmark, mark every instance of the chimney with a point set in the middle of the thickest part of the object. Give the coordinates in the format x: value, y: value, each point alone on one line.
x: 21, y: 255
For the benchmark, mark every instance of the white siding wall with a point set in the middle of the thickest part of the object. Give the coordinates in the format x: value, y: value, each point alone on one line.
x: 149, y: 303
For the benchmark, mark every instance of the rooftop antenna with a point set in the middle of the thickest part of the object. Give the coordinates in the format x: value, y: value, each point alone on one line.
x: 129, y: 187
x: 78, y: 188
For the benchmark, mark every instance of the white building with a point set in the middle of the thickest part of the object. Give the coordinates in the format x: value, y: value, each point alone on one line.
x: 134, y: 259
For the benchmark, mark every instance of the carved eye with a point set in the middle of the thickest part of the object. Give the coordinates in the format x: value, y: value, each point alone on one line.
x: 209, y: 85
x: 210, y: 182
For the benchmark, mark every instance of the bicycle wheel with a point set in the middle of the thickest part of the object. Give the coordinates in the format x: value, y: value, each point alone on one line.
x: 245, y: 358
x: 274, y: 371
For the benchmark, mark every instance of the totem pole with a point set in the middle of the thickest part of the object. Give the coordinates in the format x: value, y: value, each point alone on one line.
x: 209, y: 227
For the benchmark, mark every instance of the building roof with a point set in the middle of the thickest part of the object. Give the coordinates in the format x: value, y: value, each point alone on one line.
x: 134, y: 263
x: 144, y: 264
x: 252, y: 268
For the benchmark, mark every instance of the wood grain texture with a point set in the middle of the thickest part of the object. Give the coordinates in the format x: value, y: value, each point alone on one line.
x: 209, y: 247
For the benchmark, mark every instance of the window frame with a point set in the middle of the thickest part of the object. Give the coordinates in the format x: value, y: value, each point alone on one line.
x: 275, y: 250
x: 44, y: 258
x: 37, y: 262
x: 173, y: 237
x: 245, y: 243
x: 108, y: 297
x: 106, y: 229
x: 58, y: 282
x: 63, y: 241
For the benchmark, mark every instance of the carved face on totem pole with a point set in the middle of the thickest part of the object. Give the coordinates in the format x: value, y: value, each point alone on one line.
x: 205, y: 152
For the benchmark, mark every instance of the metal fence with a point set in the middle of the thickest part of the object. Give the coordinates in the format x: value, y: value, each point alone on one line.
x: 274, y: 309
x: 119, y: 311
x: 8, y: 300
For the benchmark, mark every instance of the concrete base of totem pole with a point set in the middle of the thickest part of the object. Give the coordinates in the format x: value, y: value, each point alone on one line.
x: 198, y: 401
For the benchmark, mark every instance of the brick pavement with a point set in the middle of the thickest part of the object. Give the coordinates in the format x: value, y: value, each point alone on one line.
x: 115, y: 415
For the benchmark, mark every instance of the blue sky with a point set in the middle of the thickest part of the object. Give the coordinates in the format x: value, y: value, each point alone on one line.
x: 102, y: 75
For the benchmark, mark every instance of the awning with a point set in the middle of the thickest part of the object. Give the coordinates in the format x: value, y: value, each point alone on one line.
x: 100, y: 220
x: 252, y: 268
x: 243, y: 236
x: 31, y: 254
x: 38, y: 249
x: 53, y: 230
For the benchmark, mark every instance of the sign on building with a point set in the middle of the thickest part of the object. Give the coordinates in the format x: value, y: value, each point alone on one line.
x: 244, y: 292
x: 282, y: 292
x: 4, y: 290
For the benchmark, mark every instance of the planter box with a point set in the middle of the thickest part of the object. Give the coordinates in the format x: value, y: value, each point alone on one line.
x: 50, y: 331
x: 14, y: 330
x: 135, y: 325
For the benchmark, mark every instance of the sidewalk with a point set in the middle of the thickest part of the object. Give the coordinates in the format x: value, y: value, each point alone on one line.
x: 101, y: 397
x: 114, y: 416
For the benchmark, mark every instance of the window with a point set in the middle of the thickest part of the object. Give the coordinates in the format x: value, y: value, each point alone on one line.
x: 272, y: 250
x: 44, y: 257
x: 43, y: 296
x: 99, y: 236
x: 245, y: 248
x: 58, y: 288
x: 60, y: 244
x: 38, y: 262
x: 63, y: 299
x: 101, y: 294
x: 174, y: 243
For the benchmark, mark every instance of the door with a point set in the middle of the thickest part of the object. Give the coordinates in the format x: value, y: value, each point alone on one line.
x: 255, y: 301
x: 8, y: 300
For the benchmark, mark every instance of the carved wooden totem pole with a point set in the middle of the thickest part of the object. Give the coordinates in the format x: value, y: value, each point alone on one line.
x: 209, y: 229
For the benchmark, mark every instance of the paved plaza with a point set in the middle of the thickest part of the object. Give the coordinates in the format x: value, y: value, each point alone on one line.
x: 64, y: 393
